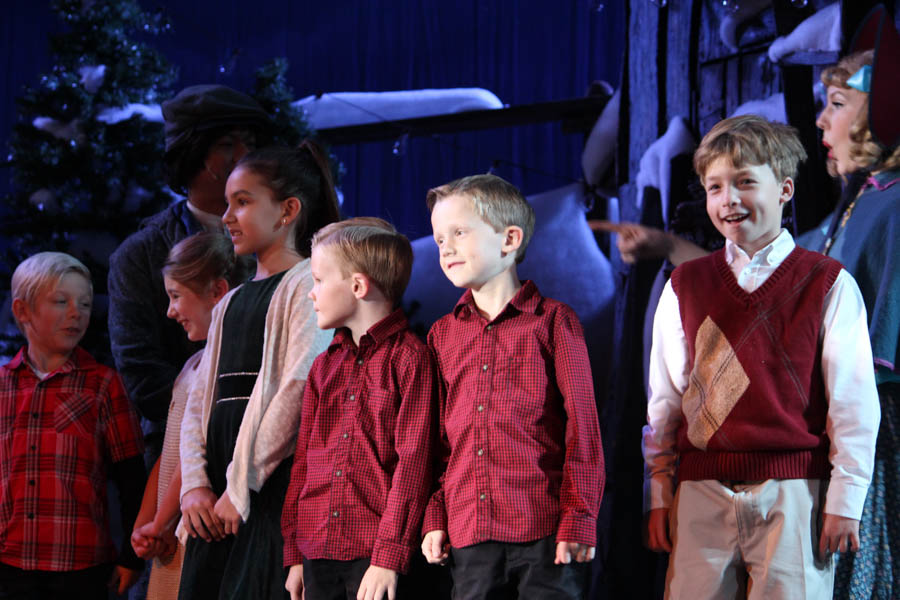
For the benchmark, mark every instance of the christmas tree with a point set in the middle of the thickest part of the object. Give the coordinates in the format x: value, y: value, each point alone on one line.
x: 86, y: 147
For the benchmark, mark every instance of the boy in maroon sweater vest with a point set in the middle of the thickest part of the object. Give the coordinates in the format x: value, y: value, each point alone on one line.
x: 762, y: 400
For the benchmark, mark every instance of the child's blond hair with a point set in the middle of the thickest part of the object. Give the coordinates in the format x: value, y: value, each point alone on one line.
x: 370, y: 246
x: 751, y: 140
x: 499, y: 203
x: 44, y: 269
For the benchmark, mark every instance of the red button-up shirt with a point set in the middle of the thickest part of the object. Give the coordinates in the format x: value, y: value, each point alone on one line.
x: 518, y: 425
x: 57, y: 438
x: 362, y: 469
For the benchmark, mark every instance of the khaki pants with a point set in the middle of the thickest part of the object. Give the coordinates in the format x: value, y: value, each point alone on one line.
x: 757, y: 540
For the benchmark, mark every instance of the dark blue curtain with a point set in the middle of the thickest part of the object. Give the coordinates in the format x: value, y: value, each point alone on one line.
x: 526, y: 51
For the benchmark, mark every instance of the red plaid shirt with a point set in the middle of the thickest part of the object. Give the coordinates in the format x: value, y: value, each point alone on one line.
x: 362, y: 470
x: 518, y: 425
x: 56, y: 438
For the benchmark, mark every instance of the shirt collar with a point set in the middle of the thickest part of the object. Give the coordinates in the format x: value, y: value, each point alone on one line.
x: 377, y: 333
x: 771, y: 254
x: 883, y: 180
x: 209, y: 221
x: 79, y: 359
x: 526, y: 299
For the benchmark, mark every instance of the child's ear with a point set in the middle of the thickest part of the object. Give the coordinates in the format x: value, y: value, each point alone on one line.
x: 360, y: 285
x: 290, y: 209
x: 219, y: 289
x: 787, y: 190
x: 512, y: 238
x: 21, y: 311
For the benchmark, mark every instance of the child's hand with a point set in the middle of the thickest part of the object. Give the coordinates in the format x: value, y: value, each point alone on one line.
x: 657, y: 530
x: 200, y: 519
x: 226, y: 511
x: 839, y: 534
x: 145, y: 544
x: 435, y: 547
x: 294, y: 583
x: 121, y: 579
x: 162, y: 541
x: 566, y: 550
x: 377, y: 583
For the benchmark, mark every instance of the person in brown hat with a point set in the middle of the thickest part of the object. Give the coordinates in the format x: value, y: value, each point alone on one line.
x: 208, y: 128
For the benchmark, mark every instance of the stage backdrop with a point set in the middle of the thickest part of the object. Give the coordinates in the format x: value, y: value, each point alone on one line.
x: 524, y: 51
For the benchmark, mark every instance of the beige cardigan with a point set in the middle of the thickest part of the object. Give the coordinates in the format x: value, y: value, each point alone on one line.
x: 268, y: 431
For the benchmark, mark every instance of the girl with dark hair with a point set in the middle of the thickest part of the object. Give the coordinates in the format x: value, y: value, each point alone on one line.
x: 243, y: 415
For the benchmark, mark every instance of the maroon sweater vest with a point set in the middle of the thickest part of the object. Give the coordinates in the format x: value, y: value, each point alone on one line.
x: 755, y: 406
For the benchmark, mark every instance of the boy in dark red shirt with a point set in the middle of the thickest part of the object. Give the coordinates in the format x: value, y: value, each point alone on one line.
x: 521, y: 440
x: 362, y: 469
x: 65, y: 425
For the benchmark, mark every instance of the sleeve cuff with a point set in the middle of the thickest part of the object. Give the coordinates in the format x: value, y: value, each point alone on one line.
x: 657, y: 493
x: 845, y: 500
x: 578, y: 528
x: 390, y: 555
x: 435, y: 518
x: 292, y: 554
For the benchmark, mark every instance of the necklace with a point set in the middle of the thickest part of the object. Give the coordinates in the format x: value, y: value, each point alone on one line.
x: 830, y: 241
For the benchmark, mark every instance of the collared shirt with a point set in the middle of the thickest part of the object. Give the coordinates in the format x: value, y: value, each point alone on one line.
x: 518, y: 425
x: 362, y: 469
x: 56, y: 438
x: 853, y: 409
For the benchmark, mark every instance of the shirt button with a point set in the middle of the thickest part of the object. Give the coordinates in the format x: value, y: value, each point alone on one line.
x: 482, y: 496
x: 484, y: 367
x: 31, y: 482
x: 480, y: 451
x: 30, y: 515
x: 33, y: 447
x: 335, y: 513
x: 359, y: 362
x: 352, y: 396
x: 337, y: 473
x: 481, y: 408
x: 35, y: 415
x: 489, y: 327
x: 345, y: 435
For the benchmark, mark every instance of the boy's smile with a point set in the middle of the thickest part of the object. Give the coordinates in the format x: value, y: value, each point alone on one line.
x: 471, y: 252
x: 745, y: 203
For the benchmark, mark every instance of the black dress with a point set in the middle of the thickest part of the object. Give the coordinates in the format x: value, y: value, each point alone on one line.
x: 250, y: 564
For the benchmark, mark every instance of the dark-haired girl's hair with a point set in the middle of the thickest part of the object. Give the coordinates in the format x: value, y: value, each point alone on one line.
x: 201, y: 259
x: 301, y: 173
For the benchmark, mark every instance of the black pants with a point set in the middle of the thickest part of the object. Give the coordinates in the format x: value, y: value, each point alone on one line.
x: 502, y: 570
x: 325, y: 579
x: 84, y: 584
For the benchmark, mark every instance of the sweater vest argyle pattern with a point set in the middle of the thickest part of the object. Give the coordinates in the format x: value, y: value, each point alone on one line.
x: 755, y: 405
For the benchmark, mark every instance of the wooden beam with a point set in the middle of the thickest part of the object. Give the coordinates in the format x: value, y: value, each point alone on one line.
x: 576, y: 113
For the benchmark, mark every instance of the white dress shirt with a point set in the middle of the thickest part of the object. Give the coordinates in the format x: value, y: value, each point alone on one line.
x: 853, y: 407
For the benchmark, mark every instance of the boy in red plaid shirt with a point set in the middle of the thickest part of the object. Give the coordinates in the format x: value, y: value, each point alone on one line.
x: 65, y: 427
x: 362, y: 469
x: 523, y: 479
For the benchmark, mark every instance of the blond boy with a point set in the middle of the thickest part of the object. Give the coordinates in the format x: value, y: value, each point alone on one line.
x: 523, y: 478
x: 65, y: 424
x: 761, y: 389
x: 362, y: 469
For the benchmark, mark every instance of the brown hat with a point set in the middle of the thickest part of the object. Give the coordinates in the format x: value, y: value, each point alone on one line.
x: 878, y: 32
x: 201, y: 107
